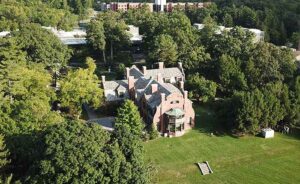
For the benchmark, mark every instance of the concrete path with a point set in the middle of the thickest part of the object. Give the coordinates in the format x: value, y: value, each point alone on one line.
x: 107, y: 123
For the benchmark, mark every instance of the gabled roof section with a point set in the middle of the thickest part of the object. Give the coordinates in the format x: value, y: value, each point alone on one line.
x: 135, y: 72
x: 165, y: 72
x: 117, y: 84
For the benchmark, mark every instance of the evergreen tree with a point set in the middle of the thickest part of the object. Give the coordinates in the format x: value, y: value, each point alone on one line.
x: 131, y: 146
x: 129, y: 116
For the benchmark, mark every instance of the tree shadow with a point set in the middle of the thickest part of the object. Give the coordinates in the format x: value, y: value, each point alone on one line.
x: 208, y: 123
x: 294, y: 134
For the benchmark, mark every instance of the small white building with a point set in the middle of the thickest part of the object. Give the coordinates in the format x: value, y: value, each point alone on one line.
x: 258, y: 34
x: 267, y: 133
x: 134, y: 34
x: 75, y: 37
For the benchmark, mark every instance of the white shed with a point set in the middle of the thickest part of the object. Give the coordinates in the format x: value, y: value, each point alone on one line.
x: 267, y: 133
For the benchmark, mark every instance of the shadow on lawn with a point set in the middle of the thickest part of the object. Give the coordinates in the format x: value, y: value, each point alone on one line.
x: 207, y: 122
x: 294, y: 133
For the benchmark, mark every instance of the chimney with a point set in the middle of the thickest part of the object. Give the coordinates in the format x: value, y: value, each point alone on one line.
x: 154, y: 88
x: 144, y: 70
x: 181, y: 85
x: 130, y: 82
x: 160, y: 65
x: 159, y: 78
x: 185, y: 94
x: 127, y: 72
x: 180, y: 65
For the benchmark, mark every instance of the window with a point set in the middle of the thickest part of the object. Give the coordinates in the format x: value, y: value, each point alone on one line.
x: 175, y: 102
x: 167, y: 80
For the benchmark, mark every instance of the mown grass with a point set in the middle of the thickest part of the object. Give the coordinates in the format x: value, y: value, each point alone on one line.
x: 248, y: 159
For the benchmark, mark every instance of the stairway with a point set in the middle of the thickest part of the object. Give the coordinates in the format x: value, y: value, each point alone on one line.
x: 205, y: 168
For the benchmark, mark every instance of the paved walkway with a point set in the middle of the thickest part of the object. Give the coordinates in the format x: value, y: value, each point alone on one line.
x: 107, y: 123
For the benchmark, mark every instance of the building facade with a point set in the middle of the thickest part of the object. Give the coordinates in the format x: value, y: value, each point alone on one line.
x: 157, y: 6
x: 159, y: 94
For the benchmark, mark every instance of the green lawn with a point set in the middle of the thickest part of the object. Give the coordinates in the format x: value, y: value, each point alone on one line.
x: 234, y: 160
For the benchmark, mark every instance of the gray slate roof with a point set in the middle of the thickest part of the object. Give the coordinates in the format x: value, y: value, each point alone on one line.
x: 113, y: 85
x: 165, y: 72
x: 135, y: 72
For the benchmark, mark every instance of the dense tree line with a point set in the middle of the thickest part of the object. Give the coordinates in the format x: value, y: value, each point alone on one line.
x: 14, y: 14
x: 278, y: 19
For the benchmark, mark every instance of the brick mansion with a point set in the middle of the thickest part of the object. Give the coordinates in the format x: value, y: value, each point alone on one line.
x: 159, y: 94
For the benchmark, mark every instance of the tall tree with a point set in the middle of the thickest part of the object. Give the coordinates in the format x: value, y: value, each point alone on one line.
x: 81, y: 86
x: 165, y: 50
x: 74, y: 153
x: 132, y: 148
x: 115, y: 30
x: 42, y: 46
x: 200, y: 88
x: 230, y: 75
x: 129, y: 116
x: 3, y: 161
x: 96, y: 36
x: 3, y: 153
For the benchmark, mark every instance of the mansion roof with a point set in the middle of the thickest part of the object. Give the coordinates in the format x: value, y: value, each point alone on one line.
x: 116, y: 84
x: 143, y: 82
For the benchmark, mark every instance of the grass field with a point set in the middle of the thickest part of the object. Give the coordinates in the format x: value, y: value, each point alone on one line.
x: 234, y: 160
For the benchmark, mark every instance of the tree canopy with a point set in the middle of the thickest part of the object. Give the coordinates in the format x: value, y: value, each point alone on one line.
x: 81, y: 86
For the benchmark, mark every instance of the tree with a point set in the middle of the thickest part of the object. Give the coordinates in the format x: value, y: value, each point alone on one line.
x: 81, y: 86
x: 129, y: 116
x: 295, y: 39
x: 25, y: 88
x: 269, y: 63
x: 96, y: 36
x: 247, y: 17
x: 131, y: 147
x: 153, y: 133
x: 74, y: 153
x: 165, y: 50
x: 200, y: 88
x: 230, y: 75
x: 3, y: 153
x: 257, y: 109
x: 228, y: 20
x: 42, y: 46
x: 3, y: 161
x: 115, y: 29
x: 195, y: 59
